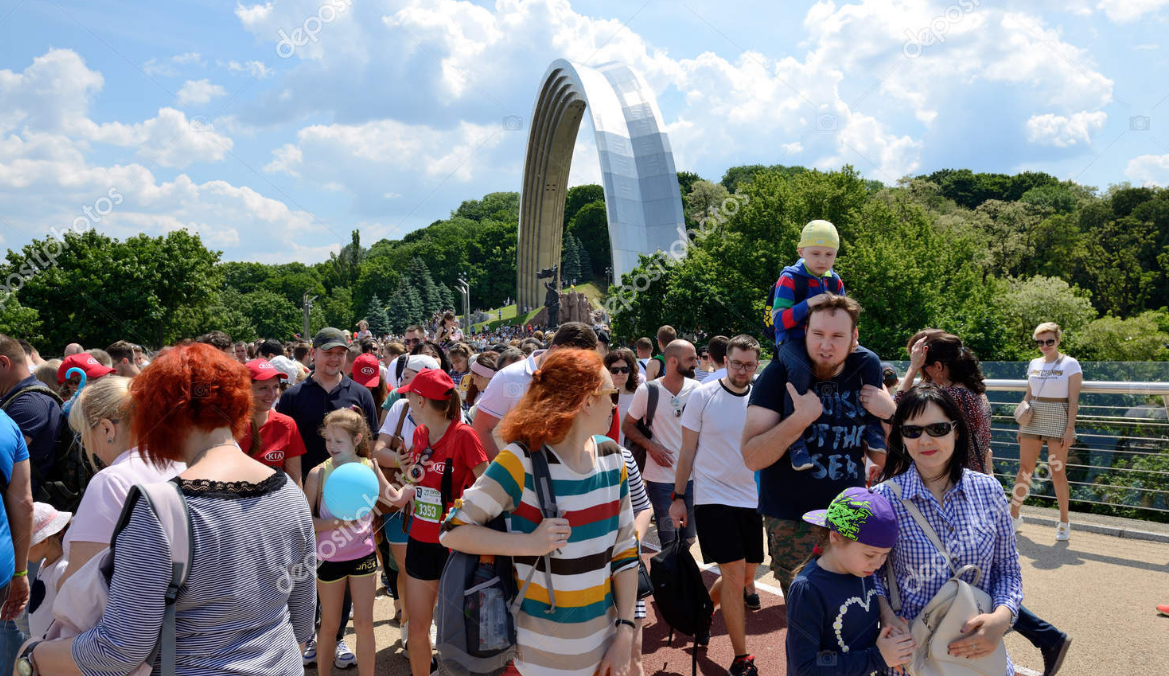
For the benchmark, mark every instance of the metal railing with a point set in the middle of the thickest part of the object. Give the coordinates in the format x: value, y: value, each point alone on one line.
x: 1119, y: 463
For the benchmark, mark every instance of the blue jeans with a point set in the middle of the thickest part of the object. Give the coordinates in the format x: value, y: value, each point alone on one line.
x: 1041, y: 634
x: 659, y: 497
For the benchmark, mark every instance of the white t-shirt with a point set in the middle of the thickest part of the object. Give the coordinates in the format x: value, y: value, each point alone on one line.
x: 715, y: 375
x: 720, y: 475
x: 623, y: 400
x: 101, y: 505
x: 667, y: 424
x: 391, y: 422
x: 41, y: 617
x: 508, y: 386
x: 1050, y: 381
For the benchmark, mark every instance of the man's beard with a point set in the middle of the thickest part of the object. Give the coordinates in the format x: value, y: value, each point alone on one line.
x: 686, y: 373
x: 825, y: 371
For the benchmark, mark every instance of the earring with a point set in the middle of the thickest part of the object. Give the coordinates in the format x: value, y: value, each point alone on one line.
x: 109, y: 440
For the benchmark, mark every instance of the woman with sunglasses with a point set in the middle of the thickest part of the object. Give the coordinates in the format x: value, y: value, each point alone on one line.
x: 443, y: 445
x: 705, y: 365
x: 967, y: 509
x: 585, y: 623
x: 1053, y: 390
x: 622, y: 366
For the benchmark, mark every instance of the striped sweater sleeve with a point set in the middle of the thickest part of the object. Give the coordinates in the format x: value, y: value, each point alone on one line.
x: 787, y: 312
x: 498, y: 490
x: 625, y: 553
x: 637, y: 495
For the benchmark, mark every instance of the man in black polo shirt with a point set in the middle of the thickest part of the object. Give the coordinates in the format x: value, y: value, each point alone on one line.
x: 326, y: 389
x: 37, y: 415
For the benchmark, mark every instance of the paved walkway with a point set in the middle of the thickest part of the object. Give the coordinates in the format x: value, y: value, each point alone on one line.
x: 1101, y: 589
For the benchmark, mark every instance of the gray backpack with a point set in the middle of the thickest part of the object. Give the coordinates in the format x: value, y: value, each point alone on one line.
x: 479, y: 602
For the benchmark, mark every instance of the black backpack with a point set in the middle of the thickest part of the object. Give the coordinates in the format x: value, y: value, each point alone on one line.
x: 680, y: 593
x: 71, y: 468
x: 476, y: 621
x: 644, y: 425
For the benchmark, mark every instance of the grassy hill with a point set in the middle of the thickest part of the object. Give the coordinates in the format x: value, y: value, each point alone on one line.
x: 591, y: 289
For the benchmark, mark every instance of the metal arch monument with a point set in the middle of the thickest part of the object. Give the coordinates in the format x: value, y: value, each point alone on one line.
x: 642, y: 200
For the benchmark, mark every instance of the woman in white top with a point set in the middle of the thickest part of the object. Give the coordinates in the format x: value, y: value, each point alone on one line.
x: 622, y: 366
x: 101, y: 415
x: 1053, y: 389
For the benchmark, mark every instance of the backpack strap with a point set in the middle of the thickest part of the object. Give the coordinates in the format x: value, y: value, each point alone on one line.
x: 651, y: 404
x: 448, y: 473
x: 168, y: 504
x: 31, y: 388
x: 542, y: 485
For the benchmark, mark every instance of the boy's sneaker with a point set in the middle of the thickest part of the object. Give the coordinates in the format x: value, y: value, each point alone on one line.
x: 343, y: 657
x: 1053, y: 656
x: 405, y: 634
x: 751, y: 601
x: 744, y: 666
x: 310, y: 652
x: 798, y: 453
x: 1063, y: 531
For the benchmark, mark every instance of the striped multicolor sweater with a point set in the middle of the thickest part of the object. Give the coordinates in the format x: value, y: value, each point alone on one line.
x: 572, y: 640
x: 789, y: 310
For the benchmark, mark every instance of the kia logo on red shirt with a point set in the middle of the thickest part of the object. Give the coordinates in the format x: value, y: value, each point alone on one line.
x: 274, y: 456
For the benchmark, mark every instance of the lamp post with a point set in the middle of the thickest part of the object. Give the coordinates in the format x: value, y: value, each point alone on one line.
x: 308, y: 307
x: 465, y: 288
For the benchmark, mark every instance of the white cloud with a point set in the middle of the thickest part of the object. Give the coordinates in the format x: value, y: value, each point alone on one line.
x: 52, y: 94
x: 1149, y: 170
x: 1062, y: 132
x: 1125, y: 11
x: 256, y: 69
x: 167, y: 67
x: 199, y: 92
x: 1146, y: 48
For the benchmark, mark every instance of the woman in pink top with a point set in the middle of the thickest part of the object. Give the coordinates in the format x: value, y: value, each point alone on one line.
x: 345, y: 549
x: 101, y: 416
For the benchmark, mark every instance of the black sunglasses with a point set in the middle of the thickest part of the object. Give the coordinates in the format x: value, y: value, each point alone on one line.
x: 617, y: 370
x: 413, y: 341
x: 935, y: 430
x: 1049, y: 342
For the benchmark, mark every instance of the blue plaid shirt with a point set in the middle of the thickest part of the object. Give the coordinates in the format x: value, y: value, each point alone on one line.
x: 974, y: 522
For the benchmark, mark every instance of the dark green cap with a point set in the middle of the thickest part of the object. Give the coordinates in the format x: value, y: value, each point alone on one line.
x: 329, y: 338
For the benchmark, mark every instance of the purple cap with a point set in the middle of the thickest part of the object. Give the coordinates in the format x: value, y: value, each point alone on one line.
x: 861, y: 515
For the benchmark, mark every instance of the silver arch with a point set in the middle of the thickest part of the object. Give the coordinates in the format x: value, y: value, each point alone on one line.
x: 642, y: 200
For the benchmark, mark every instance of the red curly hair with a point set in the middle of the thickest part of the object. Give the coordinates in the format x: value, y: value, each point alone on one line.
x: 188, y: 387
x: 564, y: 381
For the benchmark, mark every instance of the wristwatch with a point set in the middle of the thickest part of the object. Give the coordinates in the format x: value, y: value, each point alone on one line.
x: 25, y: 666
x: 674, y: 496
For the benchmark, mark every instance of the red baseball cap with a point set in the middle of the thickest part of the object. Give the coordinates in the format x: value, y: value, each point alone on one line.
x: 262, y: 369
x: 429, y: 383
x: 84, y: 361
x: 365, y: 370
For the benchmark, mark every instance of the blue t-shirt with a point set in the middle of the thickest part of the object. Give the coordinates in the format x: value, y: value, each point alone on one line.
x: 832, y: 624
x: 835, y: 441
x: 12, y: 451
x: 39, y: 418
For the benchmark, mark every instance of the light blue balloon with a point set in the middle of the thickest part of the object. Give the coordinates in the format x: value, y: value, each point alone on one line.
x: 351, y: 491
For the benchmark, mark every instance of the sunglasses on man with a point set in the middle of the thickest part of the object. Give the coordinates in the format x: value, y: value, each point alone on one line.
x: 935, y: 430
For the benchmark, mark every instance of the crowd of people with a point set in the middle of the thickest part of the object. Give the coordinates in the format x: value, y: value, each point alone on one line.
x: 847, y: 474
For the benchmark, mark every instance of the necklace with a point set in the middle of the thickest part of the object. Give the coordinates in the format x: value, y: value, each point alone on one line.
x: 199, y: 456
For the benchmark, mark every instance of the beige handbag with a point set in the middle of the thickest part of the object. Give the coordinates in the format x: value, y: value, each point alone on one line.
x: 1023, y: 412
x: 940, y: 623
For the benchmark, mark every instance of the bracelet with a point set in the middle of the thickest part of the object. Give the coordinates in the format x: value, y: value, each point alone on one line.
x: 23, y: 573
x: 627, y: 623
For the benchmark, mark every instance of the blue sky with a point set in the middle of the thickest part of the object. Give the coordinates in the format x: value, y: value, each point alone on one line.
x: 197, y: 116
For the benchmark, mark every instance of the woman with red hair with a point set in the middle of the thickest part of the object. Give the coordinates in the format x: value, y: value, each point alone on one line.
x: 592, y: 546
x: 250, y: 596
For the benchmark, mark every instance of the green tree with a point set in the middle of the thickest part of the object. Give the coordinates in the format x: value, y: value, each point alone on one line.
x: 380, y: 276
x: 270, y: 314
x: 1030, y: 302
x: 570, y: 260
x: 336, y: 309
x: 586, y: 262
x: 686, y: 181
x: 17, y: 321
x: 448, y: 298
x: 590, y: 226
x: 580, y: 195
x: 398, y: 310
x: 704, y: 200
x: 344, y: 267
x: 375, y: 314
x: 1111, y: 338
x: 415, y: 308
x: 420, y: 279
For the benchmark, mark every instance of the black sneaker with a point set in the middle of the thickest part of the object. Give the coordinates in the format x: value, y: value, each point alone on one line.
x: 1053, y: 656
x: 744, y: 666
x: 751, y: 601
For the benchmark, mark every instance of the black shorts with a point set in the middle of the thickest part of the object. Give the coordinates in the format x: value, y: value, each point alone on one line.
x: 425, y: 560
x: 335, y: 571
x: 727, y: 534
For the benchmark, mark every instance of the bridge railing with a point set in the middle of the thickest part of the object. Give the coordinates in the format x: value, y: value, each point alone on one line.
x: 1119, y: 463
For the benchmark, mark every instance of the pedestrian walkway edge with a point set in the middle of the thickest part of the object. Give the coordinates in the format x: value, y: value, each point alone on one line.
x: 1100, y: 529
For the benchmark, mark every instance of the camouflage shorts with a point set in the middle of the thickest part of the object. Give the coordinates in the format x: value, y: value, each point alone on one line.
x: 789, y: 543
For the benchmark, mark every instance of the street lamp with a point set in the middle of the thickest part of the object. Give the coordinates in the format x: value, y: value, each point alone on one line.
x: 307, y: 306
x: 464, y: 287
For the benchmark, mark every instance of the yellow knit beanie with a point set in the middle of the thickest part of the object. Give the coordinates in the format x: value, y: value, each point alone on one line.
x: 819, y: 233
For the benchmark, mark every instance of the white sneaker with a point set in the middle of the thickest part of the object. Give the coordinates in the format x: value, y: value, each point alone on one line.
x: 343, y: 657
x: 433, y: 635
x: 405, y: 635
x: 1018, y: 522
x: 310, y: 652
x: 1063, y: 531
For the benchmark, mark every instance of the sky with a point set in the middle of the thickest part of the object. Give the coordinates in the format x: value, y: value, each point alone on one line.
x: 275, y: 128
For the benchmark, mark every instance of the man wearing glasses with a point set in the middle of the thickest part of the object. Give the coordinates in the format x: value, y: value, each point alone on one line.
x: 415, y: 334
x: 673, y: 392
x: 828, y: 417
x: 726, y: 500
